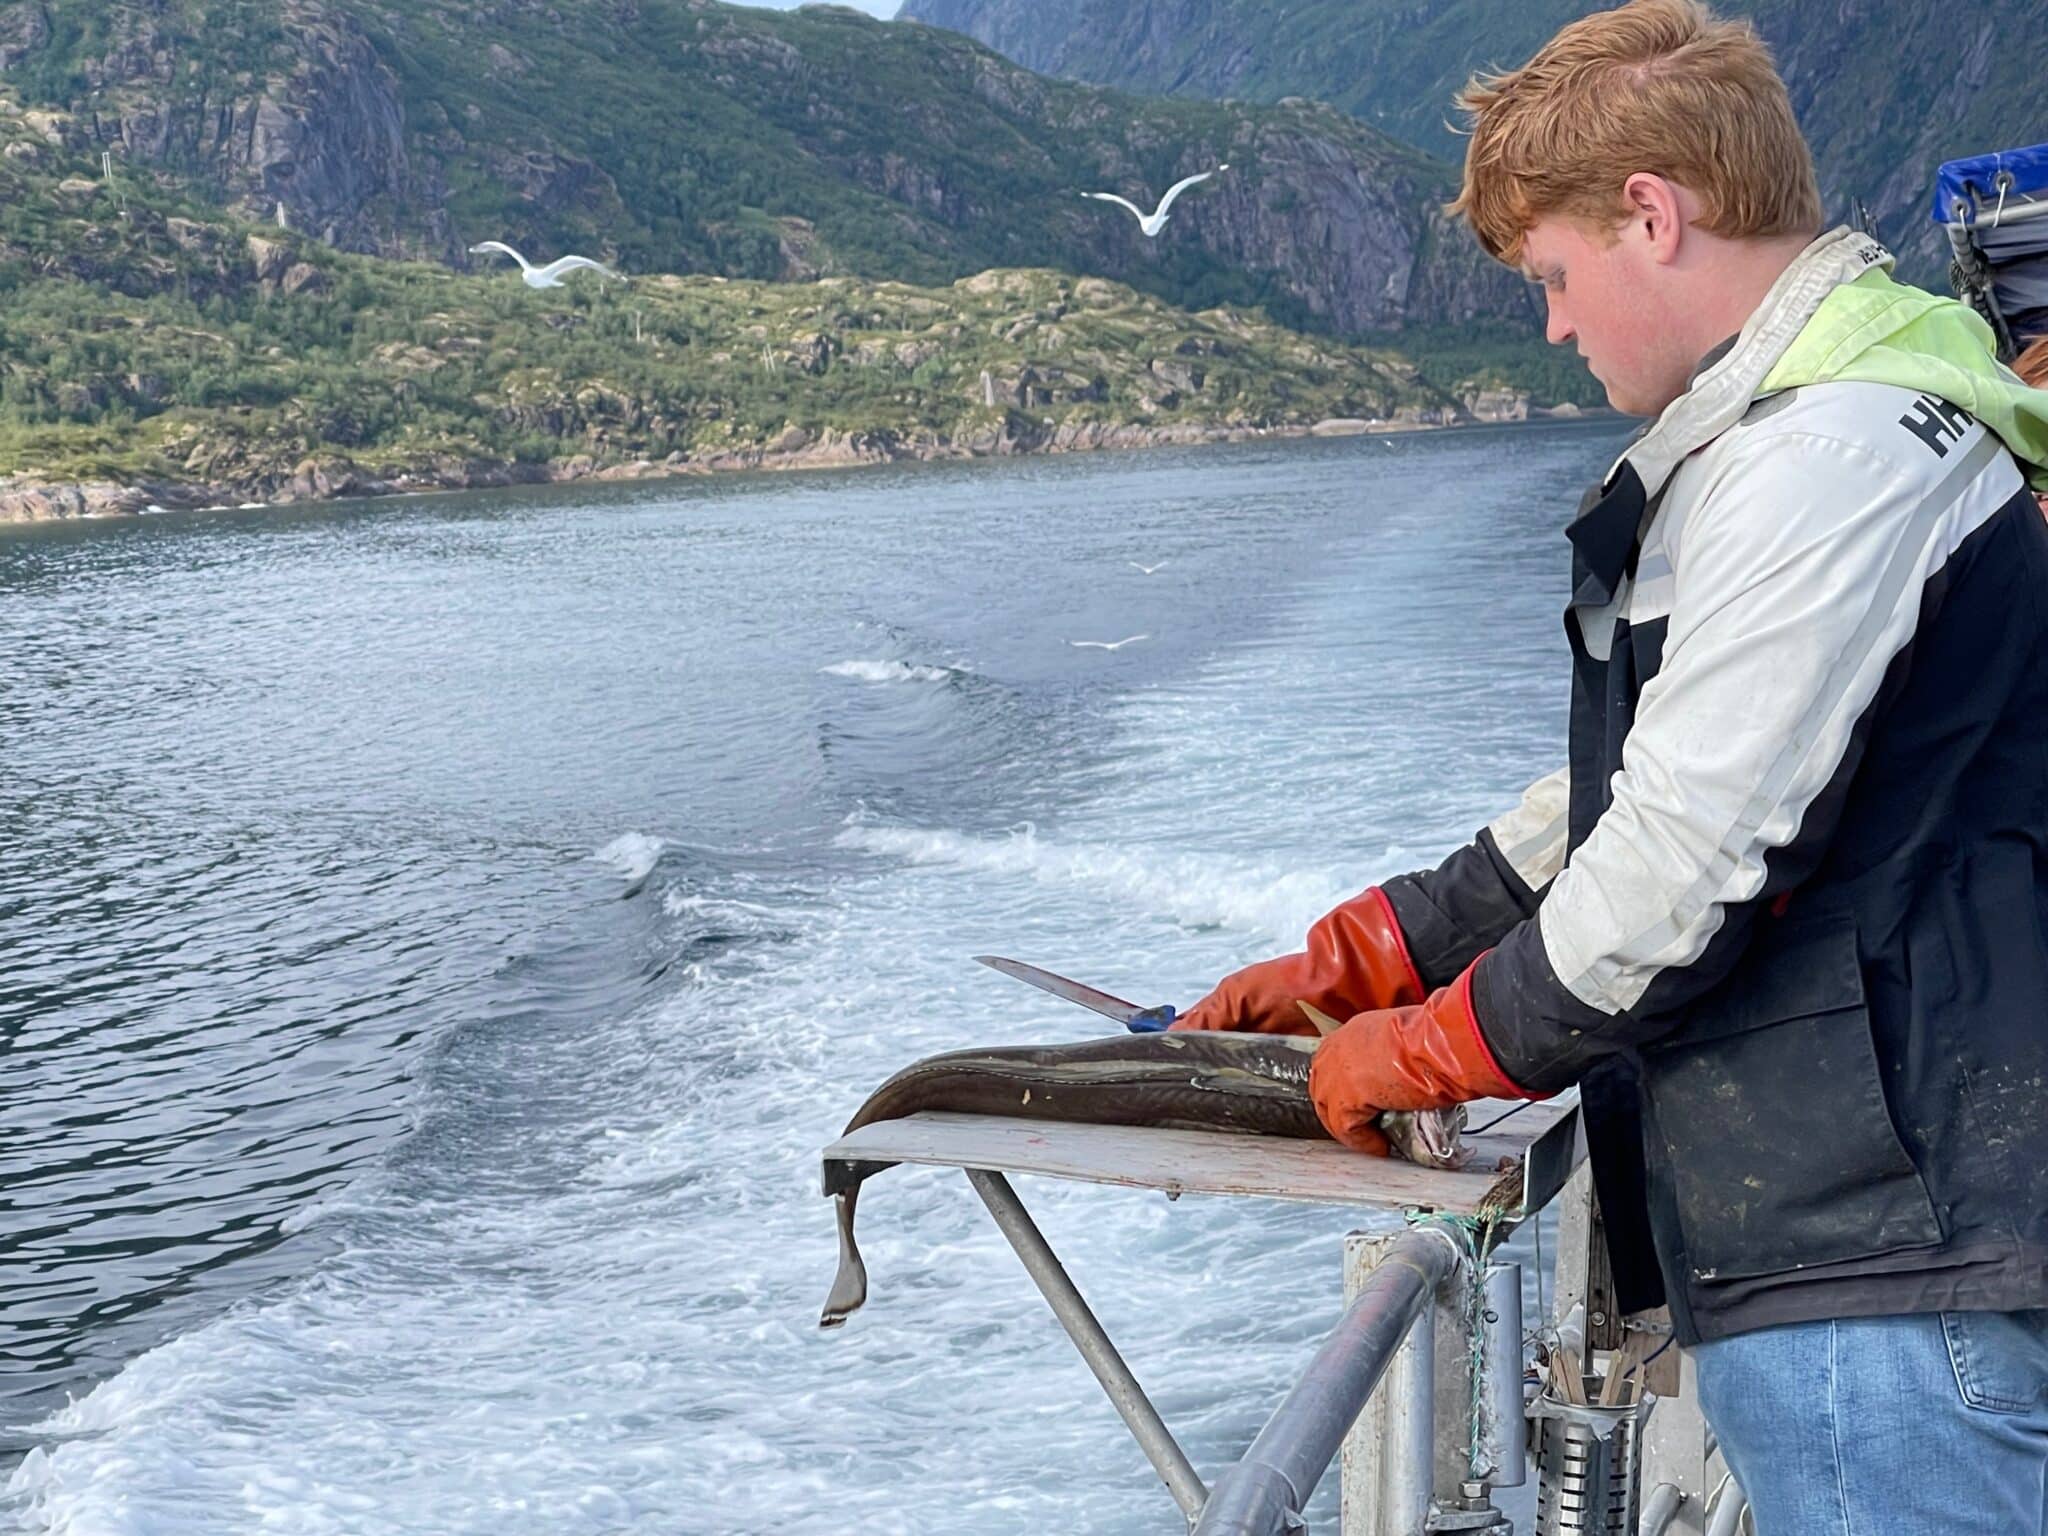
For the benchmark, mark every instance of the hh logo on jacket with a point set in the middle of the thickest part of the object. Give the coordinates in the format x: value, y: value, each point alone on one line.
x: 1936, y: 423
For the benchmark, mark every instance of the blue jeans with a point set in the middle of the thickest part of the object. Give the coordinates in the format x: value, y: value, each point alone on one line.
x: 1930, y: 1425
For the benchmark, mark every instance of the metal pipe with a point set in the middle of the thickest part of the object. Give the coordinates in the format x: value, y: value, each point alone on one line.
x: 1503, y: 1431
x: 1264, y: 1493
x: 1726, y: 1515
x: 1661, y: 1510
x: 1125, y: 1395
x: 1408, y: 1453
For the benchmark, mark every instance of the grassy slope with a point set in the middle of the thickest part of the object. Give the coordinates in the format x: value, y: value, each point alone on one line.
x: 141, y: 346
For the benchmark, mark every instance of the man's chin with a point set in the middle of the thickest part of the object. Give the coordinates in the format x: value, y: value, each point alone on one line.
x: 1621, y: 400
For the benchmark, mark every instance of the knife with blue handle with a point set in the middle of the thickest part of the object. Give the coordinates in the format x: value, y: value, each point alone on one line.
x: 1139, y: 1021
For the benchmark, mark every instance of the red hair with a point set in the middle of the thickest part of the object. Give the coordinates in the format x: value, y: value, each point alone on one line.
x: 1663, y: 86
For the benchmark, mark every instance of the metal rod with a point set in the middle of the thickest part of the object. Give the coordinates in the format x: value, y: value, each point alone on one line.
x: 1408, y: 1459
x: 1725, y: 1518
x: 1661, y: 1510
x: 1264, y: 1493
x: 1502, y: 1431
x: 1125, y: 1395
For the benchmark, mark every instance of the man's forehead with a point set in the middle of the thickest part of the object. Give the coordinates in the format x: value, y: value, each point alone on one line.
x: 1540, y: 238
x: 1544, y: 244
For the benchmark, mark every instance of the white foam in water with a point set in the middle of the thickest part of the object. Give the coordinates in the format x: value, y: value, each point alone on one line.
x: 1271, y: 900
x: 887, y: 672
x: 632, y: 854
x: 606, y: 1320
x: 638, y: 1351
x: 726, y: 911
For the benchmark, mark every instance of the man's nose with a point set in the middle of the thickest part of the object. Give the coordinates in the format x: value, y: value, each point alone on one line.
x: 1557, y: 329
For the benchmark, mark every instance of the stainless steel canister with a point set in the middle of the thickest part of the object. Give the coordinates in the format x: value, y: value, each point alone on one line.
x: 1586, y: 1467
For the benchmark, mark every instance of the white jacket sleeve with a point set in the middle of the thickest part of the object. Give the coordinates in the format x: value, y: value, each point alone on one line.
x: 1800, y: 576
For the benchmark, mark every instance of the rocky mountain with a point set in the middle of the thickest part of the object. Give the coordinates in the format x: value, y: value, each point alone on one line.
x: 691, y: 136
x: 155, y: 350
x: 1886, y: 89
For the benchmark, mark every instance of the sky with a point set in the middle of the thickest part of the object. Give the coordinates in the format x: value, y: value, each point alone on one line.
x: 872, y: 7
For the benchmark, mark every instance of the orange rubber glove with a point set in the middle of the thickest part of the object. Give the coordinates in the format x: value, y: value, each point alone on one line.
x: 1356, y: 959
x: 1428, y: 1056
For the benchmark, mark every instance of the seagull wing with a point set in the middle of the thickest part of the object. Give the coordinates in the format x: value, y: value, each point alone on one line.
x: 1132, y: 640
x: 1179, y: 187
x: 576, y: 264
x: 1110, y: 197
x: 499, y: 246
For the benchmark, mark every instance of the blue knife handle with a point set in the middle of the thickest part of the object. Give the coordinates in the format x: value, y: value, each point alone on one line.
x: 1151, y: 1021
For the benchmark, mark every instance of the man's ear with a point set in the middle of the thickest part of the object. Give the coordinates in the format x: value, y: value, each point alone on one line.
x: 1654, y: 215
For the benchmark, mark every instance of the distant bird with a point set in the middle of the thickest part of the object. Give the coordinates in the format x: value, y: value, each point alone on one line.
x: 1108, y: 645
x: 549, y: 276
x: 1147, y: 569
x: 1155, y: 221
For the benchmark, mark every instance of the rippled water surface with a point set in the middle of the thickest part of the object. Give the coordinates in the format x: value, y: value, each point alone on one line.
x: 440, y: 934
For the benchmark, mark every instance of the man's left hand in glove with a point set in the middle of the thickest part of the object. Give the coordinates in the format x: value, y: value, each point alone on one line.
x: 1428, y: 1055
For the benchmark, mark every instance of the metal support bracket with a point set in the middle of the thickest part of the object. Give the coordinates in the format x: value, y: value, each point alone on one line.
x: 1264, y: 1492
x: 1128, y: 1398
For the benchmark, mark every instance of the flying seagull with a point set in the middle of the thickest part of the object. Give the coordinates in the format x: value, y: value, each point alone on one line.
x: 1147, y: 569
x: 549, y: 276
x: 1155, y: 221
x: 1108, y: 645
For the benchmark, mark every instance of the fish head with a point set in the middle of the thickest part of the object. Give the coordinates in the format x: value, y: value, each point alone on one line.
x: 1429, y: 1138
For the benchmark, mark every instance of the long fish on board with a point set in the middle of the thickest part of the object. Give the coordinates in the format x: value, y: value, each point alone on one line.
x: 1202, y: 1080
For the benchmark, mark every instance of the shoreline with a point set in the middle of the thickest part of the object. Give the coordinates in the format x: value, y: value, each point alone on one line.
x: 27, y: 500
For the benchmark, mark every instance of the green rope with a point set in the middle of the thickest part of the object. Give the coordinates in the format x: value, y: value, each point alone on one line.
x: 1476, y: 1237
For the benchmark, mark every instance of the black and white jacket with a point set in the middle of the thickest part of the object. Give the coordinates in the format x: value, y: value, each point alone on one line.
x: 1785, y: 915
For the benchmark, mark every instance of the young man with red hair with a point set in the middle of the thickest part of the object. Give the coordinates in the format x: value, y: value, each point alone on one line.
x: 1783, y: 918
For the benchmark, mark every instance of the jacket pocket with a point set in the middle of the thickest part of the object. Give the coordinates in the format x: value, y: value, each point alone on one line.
x: 1771, y: 1111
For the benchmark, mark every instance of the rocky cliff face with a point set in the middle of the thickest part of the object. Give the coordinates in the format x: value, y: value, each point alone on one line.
x: 1885, y: 89
x: 1356, y: 241
x: 1396, y: 66
x: 1188, y: 47
x: 313, y: 136
x: 686, y: 135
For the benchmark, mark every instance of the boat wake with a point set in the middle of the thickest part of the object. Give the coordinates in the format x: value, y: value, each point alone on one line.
x: 890, y: 672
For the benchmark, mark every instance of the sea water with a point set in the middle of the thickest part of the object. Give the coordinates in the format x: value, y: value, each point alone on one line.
x: 441, y: 934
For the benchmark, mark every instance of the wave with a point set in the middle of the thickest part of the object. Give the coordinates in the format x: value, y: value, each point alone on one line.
x: 889, y: 672
x: 1195, y: 889
x: 632, y: 854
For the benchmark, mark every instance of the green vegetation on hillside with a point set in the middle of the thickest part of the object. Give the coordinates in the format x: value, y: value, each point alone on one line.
x: 1457, y: 359
x: 245, y: 39
x: 161, y: 346
x: 688, y: 136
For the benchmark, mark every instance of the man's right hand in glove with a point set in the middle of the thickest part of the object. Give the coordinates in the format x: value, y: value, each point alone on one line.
x: 1356, y: 961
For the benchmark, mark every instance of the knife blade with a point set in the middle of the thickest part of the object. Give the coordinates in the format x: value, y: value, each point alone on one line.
x: 1140, y: 1021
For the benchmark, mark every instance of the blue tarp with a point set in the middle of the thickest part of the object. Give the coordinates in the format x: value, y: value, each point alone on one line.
x: 1995, y: 209
x: 1974, y: 183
